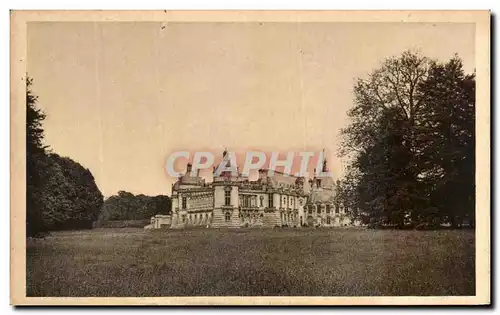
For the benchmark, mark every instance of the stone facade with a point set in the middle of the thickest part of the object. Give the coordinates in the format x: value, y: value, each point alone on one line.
x: 270, y: 201
x: 321, y: 208
x: 160, y: 221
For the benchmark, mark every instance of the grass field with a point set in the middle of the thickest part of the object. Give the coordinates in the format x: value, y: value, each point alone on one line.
x: 320, y: 262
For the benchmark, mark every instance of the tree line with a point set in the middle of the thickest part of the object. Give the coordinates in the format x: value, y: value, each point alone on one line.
x: 61, y: 194
x: 411, y: 145
x: 126, y: 206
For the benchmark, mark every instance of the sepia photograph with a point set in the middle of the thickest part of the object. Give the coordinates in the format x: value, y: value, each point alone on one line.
x: 250, y: 157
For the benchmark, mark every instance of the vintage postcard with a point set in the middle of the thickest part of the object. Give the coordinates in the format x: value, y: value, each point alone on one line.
x: 250, y: 157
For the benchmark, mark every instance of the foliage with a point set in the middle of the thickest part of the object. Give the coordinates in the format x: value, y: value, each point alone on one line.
x: 61, y: 193
x: 71, y: 198
x: 411, y: 142
x: 127, y: 206
x: 35, y: 153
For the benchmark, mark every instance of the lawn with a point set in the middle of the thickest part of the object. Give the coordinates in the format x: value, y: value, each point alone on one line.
x: 210, y: 262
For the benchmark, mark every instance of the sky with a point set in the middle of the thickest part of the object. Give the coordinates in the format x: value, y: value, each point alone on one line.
x: 121, y: 96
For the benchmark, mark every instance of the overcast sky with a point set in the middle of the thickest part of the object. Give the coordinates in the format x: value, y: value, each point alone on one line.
x: 119, y: 97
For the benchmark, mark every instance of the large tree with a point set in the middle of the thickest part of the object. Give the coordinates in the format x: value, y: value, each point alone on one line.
x: 382, y: 138
x: 448, y: 140
x: 411, y: 143
x: 35, y: 162
x: 60, y: 193
x: 71, y: 198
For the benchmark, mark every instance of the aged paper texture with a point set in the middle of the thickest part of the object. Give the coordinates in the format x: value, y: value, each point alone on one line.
x: 250, y: 157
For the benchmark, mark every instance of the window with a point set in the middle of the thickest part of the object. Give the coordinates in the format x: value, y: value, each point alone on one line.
x: 227, y: 196
x: 183, y: 218
x: 184, y: 203
x: 328, y: 209
x: 310, y: 209
x: 336, y: 209
x: 271, y: 201
x: 328, y: 220
x: 227, y: 216
x: 195, y: 218
x: 262, y: 201
x: 247, y: 201
x: 318, y: 208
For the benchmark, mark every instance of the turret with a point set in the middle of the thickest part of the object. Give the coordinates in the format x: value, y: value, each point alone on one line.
x: 299, y: 182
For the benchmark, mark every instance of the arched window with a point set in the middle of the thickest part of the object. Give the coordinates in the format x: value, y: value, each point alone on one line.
x: 228, y: 216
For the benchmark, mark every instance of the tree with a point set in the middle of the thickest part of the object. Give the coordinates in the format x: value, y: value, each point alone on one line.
x: 382, y: 138
x: 71, y: 198
x: 126, y: 206
x: 411, y: 143
x: 449, y: 141
x: 60, y: 193
x: 35, y: 153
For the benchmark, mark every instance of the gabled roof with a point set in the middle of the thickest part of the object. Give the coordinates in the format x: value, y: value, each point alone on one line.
x: 321, y: 196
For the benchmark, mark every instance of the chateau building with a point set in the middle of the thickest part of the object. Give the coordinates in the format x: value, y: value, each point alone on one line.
x: 234, y: 201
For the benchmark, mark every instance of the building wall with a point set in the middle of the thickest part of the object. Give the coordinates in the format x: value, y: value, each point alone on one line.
x: 338, y: 216
x: 206, y: 205
x: 271, y: 218
x: 199, y: 207
x: 221, y: 209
